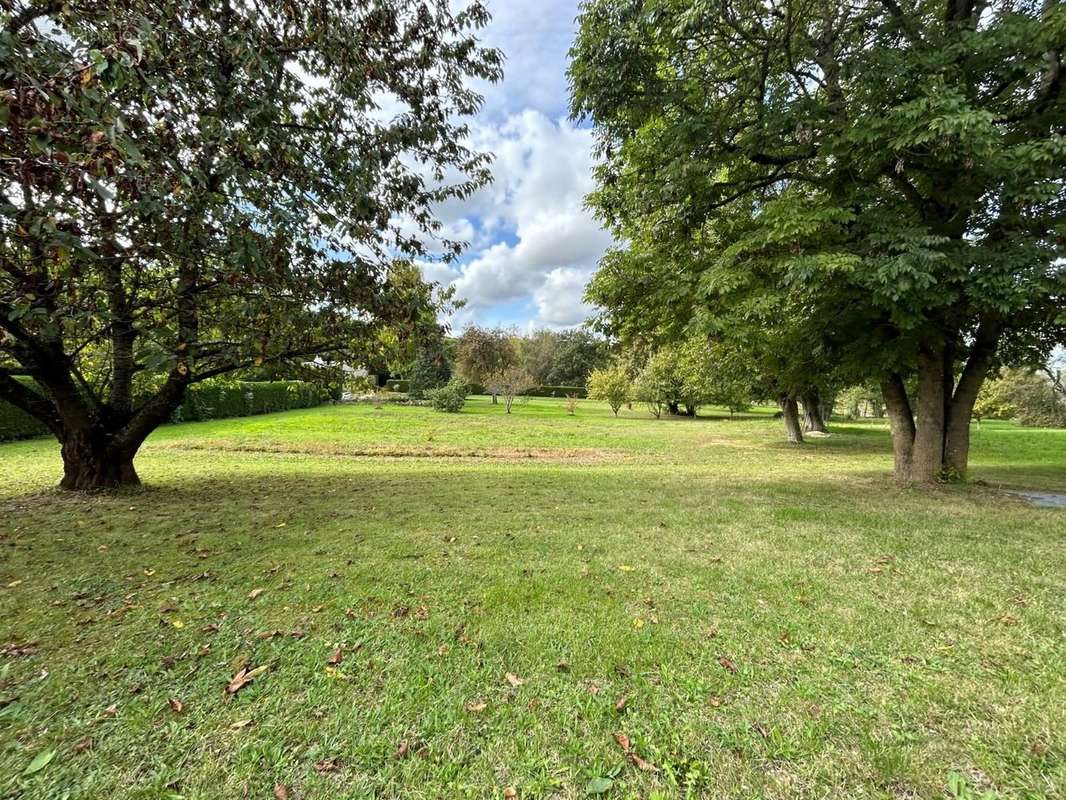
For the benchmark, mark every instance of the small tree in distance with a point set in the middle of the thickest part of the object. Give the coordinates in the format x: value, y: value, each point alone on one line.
x: 484, y: 355
x: 511, y: 383
x: 610, y: 385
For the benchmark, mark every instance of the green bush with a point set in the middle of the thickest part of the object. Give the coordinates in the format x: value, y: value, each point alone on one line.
x: 450, y: 397
x: 212, y: 399
x: 16, y: 423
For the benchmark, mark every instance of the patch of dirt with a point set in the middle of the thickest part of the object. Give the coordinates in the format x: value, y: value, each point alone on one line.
x: 510, y: 454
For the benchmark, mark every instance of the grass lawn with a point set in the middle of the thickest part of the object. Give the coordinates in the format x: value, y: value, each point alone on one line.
x: 445, y: 606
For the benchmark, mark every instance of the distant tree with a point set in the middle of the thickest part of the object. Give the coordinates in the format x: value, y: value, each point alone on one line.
x: 610, y: 385
x: 657, y: 384
x: 430, y: 370
x: 483, y: 355
x: 193, y: 189
x: 513, y: 382
x: 1027, y: 395
x: 562, y: 358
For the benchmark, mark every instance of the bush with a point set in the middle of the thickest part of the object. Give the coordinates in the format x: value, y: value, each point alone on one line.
x: 218, y: 399
x: 16, y: 423
x: 450, y: 397
x: 611, y: 385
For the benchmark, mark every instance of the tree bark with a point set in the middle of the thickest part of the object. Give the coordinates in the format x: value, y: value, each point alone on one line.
x: 901, y: 423
x: 927, y: 457
x: 690, y: 410
x: 790, y: 414
x: 90, y: 463
x: 812, y: 412
x: 673, y: 407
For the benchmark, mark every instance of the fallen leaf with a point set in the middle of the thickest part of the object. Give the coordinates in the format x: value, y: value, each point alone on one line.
x: 328, y: 765
x: 625, y: 568
x: 725, y: 662
x: 336, y: 657
x: 599, y: 785
x: 111, y: 710
x: 514, y: 680
x: 621, y: 703
x: 84, y: 745
x: 401, y: 751
x: 255, y: 593
x: 510, y: 793
x: 243, y: 677
x: 13, y: 584
x: 241, y: 723
x: 638, y: 623
x: 40, y: 761
x: 178, y: 624
x: 475, y: 708
x: 594, y: 689
x: 281, y: 791
x: 634, y: 759
x: 148, y: 573
x: 176, y: 705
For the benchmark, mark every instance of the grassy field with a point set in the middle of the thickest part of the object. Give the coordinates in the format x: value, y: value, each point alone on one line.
x: 454, y: 606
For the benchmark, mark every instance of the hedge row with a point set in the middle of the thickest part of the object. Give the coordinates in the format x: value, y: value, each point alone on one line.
x: 213, y: 399
x: 16, y: 423
x: 401, y: 385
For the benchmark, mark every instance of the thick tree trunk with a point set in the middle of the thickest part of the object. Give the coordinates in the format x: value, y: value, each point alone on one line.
x: 812, y: 412
x: 934, y: 443
x: 690, y: 410
x: 674, y: 407
x: 790, y: 414
x: 90, y: 463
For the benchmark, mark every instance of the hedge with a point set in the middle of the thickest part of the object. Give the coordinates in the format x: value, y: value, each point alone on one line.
x: 401, y: 385
x: 16, y: 423
x: 212, y: 399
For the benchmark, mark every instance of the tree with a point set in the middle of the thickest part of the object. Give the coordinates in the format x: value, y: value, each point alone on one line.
x: 196, y: 188
x: 1030, y: 396
x: 610, y: 385
x: 893, y: 170
x: 484, y: 355
x: 511, y: 383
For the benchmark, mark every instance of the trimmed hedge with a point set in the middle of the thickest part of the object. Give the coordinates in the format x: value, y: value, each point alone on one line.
x: 16, y: 423
x: 401, y: 385
x: 212, y: 399
x: 221, y: 399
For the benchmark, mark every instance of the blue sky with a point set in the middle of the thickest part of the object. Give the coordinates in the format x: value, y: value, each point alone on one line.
x: 533, y: 247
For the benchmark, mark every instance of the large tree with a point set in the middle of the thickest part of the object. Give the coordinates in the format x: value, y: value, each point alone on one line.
x: 193, y: 188
x: 483, y: 355
x: 894, y: 169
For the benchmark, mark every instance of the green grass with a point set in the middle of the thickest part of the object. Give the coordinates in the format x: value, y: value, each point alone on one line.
x: 888, y: 642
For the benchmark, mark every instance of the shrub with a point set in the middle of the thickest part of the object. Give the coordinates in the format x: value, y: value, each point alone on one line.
x: 16, y: 423
x: 450, y: 397
x: 610, y: 385
x: 571, y: 404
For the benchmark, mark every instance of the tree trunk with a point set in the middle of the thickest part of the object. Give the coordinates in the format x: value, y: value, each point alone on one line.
x: 494, y: 401
x: 812, y: 412
x: 934, y: 443
x: 690, y: 410
x: 675, y: 409
x: 89, y: 463
x: 790, y: 413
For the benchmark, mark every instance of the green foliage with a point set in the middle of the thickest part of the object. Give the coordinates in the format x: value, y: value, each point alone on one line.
x: 429, y: 371
x: 849, y: 192
x: 484, y: 354
x: 198, y: 188
x: 220, y: 398
x: 450, y: 397
x: 16, y: 423
x: 611, y: 385
x: 562, y: 358
x: 1024, y: 395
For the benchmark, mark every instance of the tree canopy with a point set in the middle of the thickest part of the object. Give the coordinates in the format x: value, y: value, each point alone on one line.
x: 189, y: 189
x: 885, y: 178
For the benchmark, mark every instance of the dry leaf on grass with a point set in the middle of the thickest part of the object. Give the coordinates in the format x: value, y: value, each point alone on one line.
x: 476, y: 707
x: 328, y: 765
x: 621, y: 703
x: 634, y: 759
x: 84, y: 745
x: 336, y: 657
x: 255, y: 593
x: 510, y: 793
x: 241, y: 723
x: 402, y: 750
x: 281, y: 791
x: 514, y: 680
x: 725, y: 662
x: 243, y: 677
x: 176, y: 705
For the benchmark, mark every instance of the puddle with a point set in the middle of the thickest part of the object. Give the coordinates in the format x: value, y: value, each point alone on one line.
x: 1043, y: 499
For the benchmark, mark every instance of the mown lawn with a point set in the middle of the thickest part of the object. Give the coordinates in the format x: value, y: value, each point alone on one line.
x: 758, y: 620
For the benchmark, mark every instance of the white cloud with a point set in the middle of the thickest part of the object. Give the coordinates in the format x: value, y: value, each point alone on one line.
x: 533, y: 238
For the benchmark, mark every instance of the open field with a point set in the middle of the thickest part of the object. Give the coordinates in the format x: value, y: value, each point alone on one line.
x: 758, y: 620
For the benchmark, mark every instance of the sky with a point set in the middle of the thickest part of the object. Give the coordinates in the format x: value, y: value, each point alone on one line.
x: 533, y: 246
